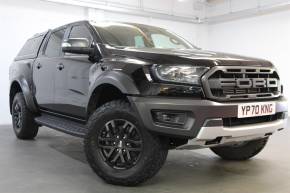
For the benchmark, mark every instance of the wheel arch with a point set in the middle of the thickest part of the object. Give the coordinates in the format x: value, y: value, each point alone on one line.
x: 119, y: 80
x: 111, y: 86
x: 102, y: 94
x: 21, y: 85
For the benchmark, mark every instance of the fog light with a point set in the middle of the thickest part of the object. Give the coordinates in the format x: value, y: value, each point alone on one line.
x: 175, y: 118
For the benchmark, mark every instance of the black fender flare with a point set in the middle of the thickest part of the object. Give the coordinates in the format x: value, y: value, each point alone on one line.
x: 117, y: 79
x: 27, y: 93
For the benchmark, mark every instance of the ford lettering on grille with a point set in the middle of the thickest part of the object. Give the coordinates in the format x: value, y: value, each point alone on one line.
x: 248, y: 82
x: 241, y: 83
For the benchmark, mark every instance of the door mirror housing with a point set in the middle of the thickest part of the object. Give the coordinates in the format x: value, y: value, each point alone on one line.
x: 77, y: 46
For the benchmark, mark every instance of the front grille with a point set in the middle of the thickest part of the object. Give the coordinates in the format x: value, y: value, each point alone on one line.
x: 241, y: 83
x: 234, y: 121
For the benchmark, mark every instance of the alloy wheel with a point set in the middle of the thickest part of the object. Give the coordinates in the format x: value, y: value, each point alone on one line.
x: 17, y: 116
x: 120, y: 144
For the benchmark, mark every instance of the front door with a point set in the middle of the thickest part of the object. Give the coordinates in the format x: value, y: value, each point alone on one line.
x: 72, y: 78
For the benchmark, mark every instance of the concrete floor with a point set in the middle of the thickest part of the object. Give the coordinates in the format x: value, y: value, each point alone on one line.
x: 55, y: 162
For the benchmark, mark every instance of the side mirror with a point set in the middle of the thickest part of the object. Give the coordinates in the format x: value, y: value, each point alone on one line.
x: 77, y: 46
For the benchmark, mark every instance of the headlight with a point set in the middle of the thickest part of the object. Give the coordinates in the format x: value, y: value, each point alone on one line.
x: 180, y: 73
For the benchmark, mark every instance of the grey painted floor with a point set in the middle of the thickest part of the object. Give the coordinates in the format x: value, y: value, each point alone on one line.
x: 55, y: 163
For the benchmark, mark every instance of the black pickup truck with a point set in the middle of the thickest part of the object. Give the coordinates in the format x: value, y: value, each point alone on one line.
x: 134, y: 91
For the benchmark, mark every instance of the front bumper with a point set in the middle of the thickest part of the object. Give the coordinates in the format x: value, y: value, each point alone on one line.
x: 206, y: 118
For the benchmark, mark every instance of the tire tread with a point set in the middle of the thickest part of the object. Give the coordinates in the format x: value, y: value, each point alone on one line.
x: 29, y: 128
x: 153, y: 163
x: 243, y: 152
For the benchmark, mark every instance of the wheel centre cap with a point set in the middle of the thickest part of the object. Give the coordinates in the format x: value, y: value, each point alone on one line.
x: 120, y: 144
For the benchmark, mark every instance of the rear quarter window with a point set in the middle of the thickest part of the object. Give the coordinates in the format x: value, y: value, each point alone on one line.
x: 30, y: 48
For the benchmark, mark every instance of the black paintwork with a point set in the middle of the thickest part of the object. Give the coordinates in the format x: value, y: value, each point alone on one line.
x: 67, y: 84
x: 190, y: 56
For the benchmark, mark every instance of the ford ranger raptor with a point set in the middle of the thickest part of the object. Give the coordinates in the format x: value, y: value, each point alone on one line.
x: 134, y: 91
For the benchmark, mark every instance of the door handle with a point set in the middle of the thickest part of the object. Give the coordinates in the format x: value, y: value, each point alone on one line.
x: 60, y: 66
x: 38, y: 66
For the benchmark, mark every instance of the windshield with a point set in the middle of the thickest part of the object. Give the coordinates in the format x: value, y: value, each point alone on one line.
x: 140, y: 36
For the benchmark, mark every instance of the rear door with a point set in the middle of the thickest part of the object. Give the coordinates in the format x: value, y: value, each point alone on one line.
x: 44, y: 69
x: 72, y: 78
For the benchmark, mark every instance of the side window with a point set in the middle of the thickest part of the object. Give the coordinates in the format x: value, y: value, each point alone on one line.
x: 139, y: 42
x: 81, y: 31
x: 53, y: 48
x: 31, y: 47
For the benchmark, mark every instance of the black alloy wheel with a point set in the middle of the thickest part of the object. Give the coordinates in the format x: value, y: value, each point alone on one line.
x: 120, y: 144
x: 17, y: 115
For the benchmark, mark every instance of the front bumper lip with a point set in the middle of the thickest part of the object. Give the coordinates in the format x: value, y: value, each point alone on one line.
x: 210, y: 133
x: 233, y: 135
x: 200, y: 110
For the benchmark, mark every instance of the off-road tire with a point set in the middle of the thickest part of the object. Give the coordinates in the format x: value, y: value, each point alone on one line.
x: 24, y: 127
x: 241, y: 152
x: 152, y: 157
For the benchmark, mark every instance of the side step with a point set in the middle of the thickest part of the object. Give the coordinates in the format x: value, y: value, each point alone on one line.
x: 61, y: 124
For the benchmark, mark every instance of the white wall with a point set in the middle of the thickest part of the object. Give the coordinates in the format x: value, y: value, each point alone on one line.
x: 265, y: 36
x: 21, y: 19
x: 192, y: 32
x: 222, y: 7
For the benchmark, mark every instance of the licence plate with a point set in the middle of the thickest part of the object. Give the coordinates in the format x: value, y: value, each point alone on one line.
x: 256, y: 109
